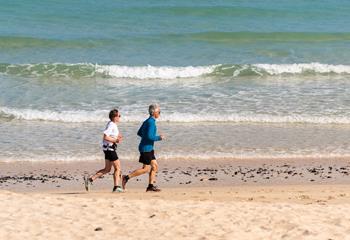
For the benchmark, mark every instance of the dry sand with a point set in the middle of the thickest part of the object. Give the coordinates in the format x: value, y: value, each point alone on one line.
x: 243, y: 200
x: 251, y: 212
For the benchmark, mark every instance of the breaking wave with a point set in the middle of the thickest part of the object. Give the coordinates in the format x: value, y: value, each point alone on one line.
x: 80, y: 116
x: 89, y: 70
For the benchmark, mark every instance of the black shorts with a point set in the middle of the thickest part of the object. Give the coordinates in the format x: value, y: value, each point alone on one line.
x: 147, y: 157
x: 111, y: 155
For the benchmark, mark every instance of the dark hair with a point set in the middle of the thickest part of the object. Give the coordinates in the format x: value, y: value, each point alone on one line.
x: 113, y: 113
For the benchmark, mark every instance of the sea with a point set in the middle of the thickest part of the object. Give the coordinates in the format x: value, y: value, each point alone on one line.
x: 234, y: 79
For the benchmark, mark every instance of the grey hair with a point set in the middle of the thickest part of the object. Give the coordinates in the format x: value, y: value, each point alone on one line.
x: 152, y: 108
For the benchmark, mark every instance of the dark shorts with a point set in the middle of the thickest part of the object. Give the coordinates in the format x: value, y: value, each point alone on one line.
x: 147, y: 157
x: 111, y: 155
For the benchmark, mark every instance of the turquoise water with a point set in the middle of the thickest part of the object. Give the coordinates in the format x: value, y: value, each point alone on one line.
x: 175, y: 33
x: 225, y: 71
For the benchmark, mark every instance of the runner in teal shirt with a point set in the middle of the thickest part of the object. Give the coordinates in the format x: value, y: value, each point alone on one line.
x: 148, y: 134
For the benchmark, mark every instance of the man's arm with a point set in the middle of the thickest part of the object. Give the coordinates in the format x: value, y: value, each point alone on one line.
x: 151, y: 132
x: 139, y: 132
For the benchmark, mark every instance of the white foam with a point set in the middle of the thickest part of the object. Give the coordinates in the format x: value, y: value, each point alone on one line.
x: 183, y: 157
x: 168, y: 72
x: 77, y: 116
x: 249, y: 155
x: 255, y: 118
x: 51, y: 158
x: 298, y: 68
x: 63, y: 70
x: 100, y: 116
x: 47, y: 115
x: 153, y: 72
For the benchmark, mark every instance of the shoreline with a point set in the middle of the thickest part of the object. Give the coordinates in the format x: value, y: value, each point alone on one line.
x: 66, y: 176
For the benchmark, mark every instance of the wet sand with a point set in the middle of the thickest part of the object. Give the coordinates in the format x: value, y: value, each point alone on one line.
x: 61, y: 176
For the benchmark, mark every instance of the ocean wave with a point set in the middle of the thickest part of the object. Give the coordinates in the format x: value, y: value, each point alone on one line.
x: 55, y: 116
x: 278, y: 69
x: 153, y: 72
x: 298, y: 69
x: 89, y: 70
x: 80, y: 116
x: 254, y: 118
x: 47, y: 70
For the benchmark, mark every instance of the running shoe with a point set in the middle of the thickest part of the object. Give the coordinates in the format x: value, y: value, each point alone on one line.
x: 117, y: 189
x: 153, y: 189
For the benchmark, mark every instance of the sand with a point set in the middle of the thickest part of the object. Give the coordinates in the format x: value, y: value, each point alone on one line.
x: 293, y: 212
x: 61, y: 176
x: 199, y: 200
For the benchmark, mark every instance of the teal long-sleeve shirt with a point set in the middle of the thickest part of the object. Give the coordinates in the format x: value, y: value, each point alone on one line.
x: 148, y: 134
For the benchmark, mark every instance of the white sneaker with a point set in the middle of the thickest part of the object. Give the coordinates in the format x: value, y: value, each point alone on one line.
x: 118, y: 189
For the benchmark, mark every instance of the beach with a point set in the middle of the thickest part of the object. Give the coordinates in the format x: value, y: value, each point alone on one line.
x: 199, y: 200
x: 254, y: 99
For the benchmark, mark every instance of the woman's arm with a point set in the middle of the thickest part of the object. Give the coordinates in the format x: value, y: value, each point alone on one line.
x: 110, y: 139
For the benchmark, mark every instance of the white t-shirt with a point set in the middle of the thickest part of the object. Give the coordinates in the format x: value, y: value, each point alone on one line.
x: 111, y: 130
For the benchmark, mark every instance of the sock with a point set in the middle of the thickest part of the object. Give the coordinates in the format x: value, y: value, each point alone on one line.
x: 150, y: 185
x: 90, y: 179
x: 127, y: 178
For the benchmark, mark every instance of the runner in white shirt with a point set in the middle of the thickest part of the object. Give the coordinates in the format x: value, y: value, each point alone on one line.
x: 111, y: 137
x: 112, y: 131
